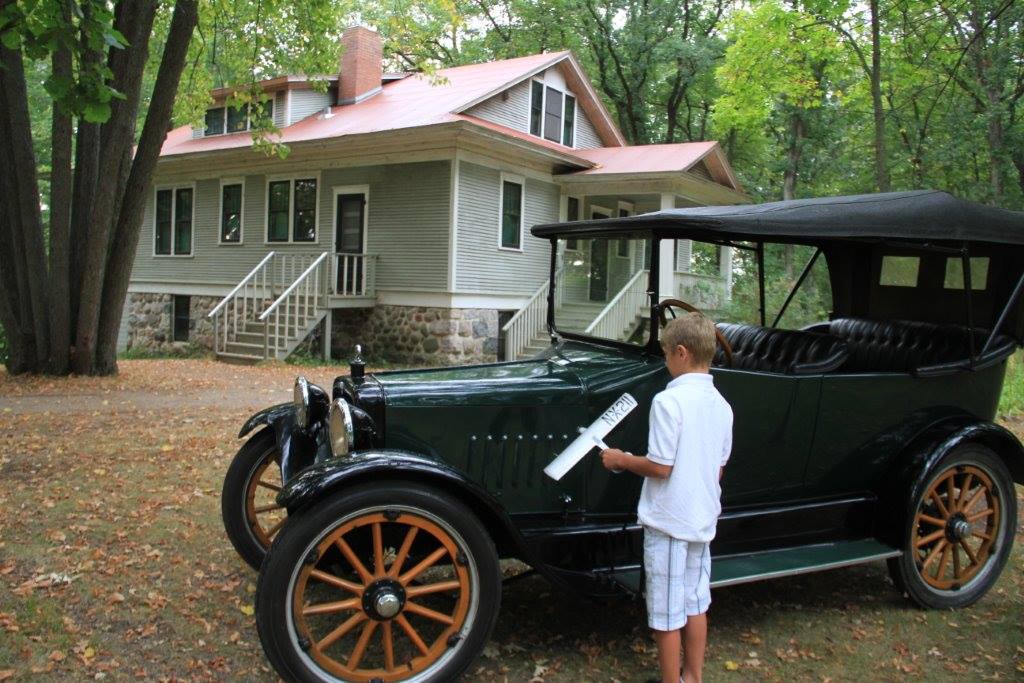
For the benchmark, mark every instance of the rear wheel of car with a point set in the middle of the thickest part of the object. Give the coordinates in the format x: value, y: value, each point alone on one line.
x: 384, y: 582
x: 250, y: 512
x: 961, y: 531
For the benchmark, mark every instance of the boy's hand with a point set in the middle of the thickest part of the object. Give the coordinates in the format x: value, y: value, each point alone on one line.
x: 612, y: 459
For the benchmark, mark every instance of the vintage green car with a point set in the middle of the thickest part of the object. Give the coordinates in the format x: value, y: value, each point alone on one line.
x: 865, y: 437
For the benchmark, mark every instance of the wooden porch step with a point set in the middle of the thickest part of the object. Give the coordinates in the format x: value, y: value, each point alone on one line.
x: 238, y: 358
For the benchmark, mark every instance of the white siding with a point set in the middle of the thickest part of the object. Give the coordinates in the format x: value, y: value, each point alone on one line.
x: 307, y: 101
x: 407, y: 228
x: 586, y: 136
x: 481, y: 265
x: 513, y: 112
x: 280, y: 109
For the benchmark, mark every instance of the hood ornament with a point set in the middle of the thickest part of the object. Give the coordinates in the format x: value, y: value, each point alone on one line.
x: 357, y: 366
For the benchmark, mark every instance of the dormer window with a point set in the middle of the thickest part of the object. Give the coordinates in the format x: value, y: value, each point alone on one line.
x: 552, y: 114
x: 221, y: 120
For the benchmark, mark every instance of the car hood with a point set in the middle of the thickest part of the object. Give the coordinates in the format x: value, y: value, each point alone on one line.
x: 557, y: 377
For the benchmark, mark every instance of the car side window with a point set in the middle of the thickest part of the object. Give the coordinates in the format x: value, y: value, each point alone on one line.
x: 899, y: 271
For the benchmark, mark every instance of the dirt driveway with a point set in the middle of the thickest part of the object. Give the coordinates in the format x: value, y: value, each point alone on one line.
x: 113, y: 563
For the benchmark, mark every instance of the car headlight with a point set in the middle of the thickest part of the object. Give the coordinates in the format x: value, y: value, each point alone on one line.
x: 341, y: 428
x: 300, y: 397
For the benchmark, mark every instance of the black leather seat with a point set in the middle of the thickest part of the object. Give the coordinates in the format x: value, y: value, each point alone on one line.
x: 905, y: 346
x: 793, y: 352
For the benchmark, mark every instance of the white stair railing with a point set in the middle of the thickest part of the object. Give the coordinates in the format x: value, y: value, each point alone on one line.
x: 614, y: 319
x: 285, y: 319
x: 353, y: 274
x: 241, y: 304
x: 529, y: 321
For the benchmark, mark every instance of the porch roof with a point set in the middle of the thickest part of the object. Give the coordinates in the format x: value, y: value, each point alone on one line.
x: 658, y: 159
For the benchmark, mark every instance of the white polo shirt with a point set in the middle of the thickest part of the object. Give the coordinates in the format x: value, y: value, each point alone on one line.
x: 690, y: 429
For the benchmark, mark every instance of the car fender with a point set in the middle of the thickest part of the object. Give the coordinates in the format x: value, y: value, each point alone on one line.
x: 297, y: 448
x: 896, y: 499
x: 331, y: 476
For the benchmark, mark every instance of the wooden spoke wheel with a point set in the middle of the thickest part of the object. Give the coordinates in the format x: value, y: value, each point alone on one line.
x: 264, y: 515
x: 385, y: 613
x: 252, y: 517
x: 956, y: 525
x: 380, y: 582
x: 959, y: 529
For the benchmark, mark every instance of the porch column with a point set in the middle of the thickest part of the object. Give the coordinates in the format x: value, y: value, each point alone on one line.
x: 666, y: 258
x: 326, y: 337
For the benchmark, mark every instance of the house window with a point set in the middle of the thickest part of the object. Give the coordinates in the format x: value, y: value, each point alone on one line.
x: 231, y: 213
x: 291, y: 209
x: 553, y: 115
x: 511, y: 214
x: 622, y: 248
x: 215, y: 121
x: 180, y: 325
x: 536, y: 107
x: 220, y: 120
x: 238, y: 119
x: 569, y: 122
x: 173, y: 222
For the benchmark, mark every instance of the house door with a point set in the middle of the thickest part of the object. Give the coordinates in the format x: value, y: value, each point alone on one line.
x: 599, y: 263
x: 350, y: 222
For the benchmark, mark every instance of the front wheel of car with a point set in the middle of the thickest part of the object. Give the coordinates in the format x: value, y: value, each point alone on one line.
x: 960, y: 533
x: 383, y: 582
x: 249, y: 510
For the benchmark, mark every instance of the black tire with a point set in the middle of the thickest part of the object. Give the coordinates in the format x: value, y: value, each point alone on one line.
x: 257, y: 455
x: 941, y: 573
x: 308, y: 542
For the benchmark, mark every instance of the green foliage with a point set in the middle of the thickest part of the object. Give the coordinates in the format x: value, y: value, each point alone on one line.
x: 1012, y: 400
x: 783, y: 265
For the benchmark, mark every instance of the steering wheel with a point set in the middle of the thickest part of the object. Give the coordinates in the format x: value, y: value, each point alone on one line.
x: 669, y: 304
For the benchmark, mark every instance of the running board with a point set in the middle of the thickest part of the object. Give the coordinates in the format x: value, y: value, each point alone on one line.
x: 730, y: 570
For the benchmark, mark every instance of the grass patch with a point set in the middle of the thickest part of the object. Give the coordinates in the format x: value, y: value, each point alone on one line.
x: 1012, y: 400
x: 188, y: 350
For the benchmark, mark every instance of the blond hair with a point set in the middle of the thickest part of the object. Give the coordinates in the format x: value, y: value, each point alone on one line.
x: 696, y: 332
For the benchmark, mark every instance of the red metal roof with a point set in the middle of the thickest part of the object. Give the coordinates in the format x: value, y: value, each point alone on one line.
x: 669, y: 158
x: 411, y: 102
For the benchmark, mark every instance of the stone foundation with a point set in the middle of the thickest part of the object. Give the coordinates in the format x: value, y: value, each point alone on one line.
x: 151, y: 320
x: 417, y: 335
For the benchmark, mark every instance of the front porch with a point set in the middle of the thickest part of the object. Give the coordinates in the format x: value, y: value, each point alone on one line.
x: 601, y: 285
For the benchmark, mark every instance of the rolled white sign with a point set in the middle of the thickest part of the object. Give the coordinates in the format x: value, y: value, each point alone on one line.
x: 591, y: 436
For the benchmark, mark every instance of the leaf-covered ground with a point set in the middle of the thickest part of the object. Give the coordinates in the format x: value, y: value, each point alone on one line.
x: 113, y: 563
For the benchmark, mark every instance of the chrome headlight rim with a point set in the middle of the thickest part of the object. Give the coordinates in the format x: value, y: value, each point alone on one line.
x: 341, y: 428
x: 300, y: 399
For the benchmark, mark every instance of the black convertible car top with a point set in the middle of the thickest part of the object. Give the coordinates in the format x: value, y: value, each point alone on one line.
x: 917, y: 215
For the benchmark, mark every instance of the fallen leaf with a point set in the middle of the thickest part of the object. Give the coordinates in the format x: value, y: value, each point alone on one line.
x: 731, y: 665
x: 247, y: 610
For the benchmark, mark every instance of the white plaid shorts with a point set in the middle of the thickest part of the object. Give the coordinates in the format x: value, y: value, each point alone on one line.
x: 678, y: 579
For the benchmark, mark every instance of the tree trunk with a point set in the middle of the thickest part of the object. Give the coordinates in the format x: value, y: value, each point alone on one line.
x: 995, y: 146
x: 115, y: 135
x: 60, y: 219
x: 19, y: 163
x: 793, y: 152
x: 129, y: 219
x: 881, y: 165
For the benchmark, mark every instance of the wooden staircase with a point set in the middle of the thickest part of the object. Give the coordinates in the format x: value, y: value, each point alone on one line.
x: 273, y: 309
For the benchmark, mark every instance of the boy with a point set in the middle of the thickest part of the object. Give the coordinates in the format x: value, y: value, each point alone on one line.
x: 688, y: 445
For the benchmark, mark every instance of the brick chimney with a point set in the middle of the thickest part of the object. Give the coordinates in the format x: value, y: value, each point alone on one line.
x: 361, y: 70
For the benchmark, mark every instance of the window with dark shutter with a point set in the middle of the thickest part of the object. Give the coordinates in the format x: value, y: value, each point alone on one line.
x: 304, y: 227
x: 238, y: 119
x: 182, y: 319
x: 215, y: 121
x: 536, y: 107
x: 183, y: 221
x: 163, y: 228
x: 278, y: 199
x: 572, y: 213
x: 553, y: 115
x: 569, y: 122
x: 231, y: 213
x: 511, y: 215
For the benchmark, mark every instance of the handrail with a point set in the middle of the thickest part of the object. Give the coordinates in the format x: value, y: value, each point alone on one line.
x: 245, y: 280
x: 293, y: 286
x: 613, y: 305
x: 524, y: 325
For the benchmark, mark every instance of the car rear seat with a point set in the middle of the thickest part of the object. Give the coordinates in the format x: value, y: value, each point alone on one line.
x: 905, y: 346
x: 792, y: 352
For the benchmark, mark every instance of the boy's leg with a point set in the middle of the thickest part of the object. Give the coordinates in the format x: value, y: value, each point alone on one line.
x: 695, y: 639
x: 668, y: 655
x: 698, y: 600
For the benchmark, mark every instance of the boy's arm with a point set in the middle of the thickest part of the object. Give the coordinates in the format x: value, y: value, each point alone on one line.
x: 615, y: 459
